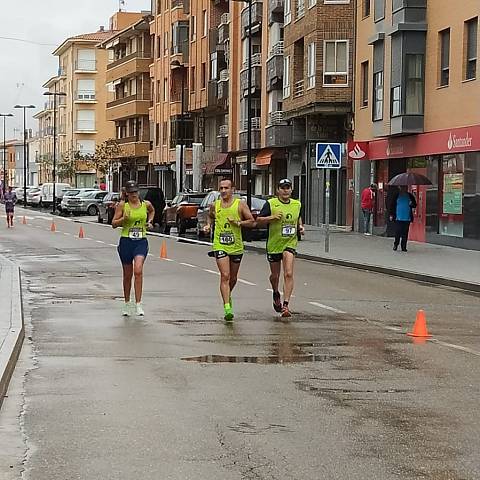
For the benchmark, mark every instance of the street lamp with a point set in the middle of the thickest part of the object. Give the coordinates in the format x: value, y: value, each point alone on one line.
x: 55, y: 95
x: 24, y: 107
x: 175, y: 65
x: 249, y: 103
x: 5, y: 115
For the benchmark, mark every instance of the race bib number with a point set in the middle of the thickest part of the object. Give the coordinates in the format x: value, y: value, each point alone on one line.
x: 135, y: 233
x: 288, y: 230
x: 227, y: 239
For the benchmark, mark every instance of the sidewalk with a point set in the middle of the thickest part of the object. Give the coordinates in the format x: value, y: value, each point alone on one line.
x: 448, y: 266
x: 11, y: 322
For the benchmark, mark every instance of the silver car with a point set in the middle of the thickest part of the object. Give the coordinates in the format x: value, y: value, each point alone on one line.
x: 84, y: 202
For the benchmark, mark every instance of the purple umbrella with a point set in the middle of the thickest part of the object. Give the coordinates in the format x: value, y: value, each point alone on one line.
x: 408, y: 178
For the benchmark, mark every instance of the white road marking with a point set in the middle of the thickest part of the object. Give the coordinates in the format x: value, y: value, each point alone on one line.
x: 457, y: 347
x: 88, y: 238
x: 327, y: 307
x: 188, y: 265
x: 211, y: 271
x: 246, y: 282
x: 167, y: 259
x: 99, y: 241
x: 66, y: 233
x: 113, y: 245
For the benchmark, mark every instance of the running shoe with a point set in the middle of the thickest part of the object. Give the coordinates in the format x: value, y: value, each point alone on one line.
x: 277, y: 303
x: 127, y: 309
x: 286, y: 311
x: 139, y: 310
x: 228, y: 313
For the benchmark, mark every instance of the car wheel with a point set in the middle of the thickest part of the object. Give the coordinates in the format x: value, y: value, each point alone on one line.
x: 92, y: 210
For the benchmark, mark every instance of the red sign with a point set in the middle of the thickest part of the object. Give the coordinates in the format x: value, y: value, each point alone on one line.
x: 357, y: 150
x: 455, y: 140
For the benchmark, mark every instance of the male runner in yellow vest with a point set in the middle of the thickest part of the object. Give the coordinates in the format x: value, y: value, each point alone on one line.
x: 230, y: 215
x: 282, y: 215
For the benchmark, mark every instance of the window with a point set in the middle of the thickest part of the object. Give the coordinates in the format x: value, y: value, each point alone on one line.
x: 164, y: 133
x: 165, y: 89
x: 300, y: 8
x: 85, y: 89
x: 213, y: 66
x: 286, y: 76
x: 396, y: 109
x: 86, y: 147
x: 86, y: 120
x: 364, y: 84
x: 444, y: 57
x: 165, y: 44
x: 311, y: 63
x: 414, y: 84
x: 86, y: 60
x: 157, y: 134
x: 379, y: 13
x: 193, y: 28
x: 287, y: 12
x: 335, y: 68
x: 205, y: 23
x: 192, y: 78
x: 378, y: 96
x: 203, y: 74
x: 159, y: 47
x: 366, y: 8
x: 312, y: 3
x: 471, y: 31
x: 159, y: 90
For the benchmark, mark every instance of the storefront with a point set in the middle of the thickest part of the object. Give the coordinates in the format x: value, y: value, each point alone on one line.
x: 448, y: 211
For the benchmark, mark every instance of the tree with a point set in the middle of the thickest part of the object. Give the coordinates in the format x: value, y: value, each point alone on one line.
x: 105, y: 153
x: 70, y: 164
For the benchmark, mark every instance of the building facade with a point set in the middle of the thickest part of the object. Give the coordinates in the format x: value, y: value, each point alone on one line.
x: 128, y: 78
x: 415, y: 110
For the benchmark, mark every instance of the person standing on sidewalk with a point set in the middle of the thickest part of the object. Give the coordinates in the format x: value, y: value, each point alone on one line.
x: 368, y: 205
x: 282, y: 215
x: 10, y: 200
x: 401, y: 211
x: 135, y: 216
x: 229, y: 215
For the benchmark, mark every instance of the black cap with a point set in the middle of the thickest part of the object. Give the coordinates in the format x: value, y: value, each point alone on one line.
x: 131, y: 186
x: 284, y: 182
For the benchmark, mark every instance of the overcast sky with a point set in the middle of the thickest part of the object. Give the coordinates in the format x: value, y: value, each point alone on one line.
x: 25, y: 67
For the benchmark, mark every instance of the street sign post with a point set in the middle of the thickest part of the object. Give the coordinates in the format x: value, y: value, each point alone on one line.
x: 329, y: 155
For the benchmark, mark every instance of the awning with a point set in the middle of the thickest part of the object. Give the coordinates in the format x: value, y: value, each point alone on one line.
x: 217, y: 164
x: 264, y: 157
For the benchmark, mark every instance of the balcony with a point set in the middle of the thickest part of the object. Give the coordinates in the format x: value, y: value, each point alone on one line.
x: 85, y: 126
x: 133, y: 146
x: 86, y: 66
x: 298, y: 89
x: 224, y: 28
x: 176, y: 102
x: 275, y: 67
x: 275, y: 11
x: 222, y: 139
x: 222, y: 86
x: 256, y: 133
x: 278, y: 133
x: 256, y: 75
x: 257, y: 12
x: 128, y: 66
x: 131, y: 106
x: 85, y: 96
x: 213, y: 98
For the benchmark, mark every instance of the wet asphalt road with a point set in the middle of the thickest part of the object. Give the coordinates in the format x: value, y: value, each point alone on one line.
x: 339, y: 392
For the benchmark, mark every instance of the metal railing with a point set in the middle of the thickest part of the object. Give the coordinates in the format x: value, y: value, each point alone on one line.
x: 277, y: 49
x: 129, y: 98
x: 255, y: 122
x: 256, y: 61
x: 125, y: 58
x: 298, y: 89
x: 225, y: 18
x: 223, y: 131
x: 223, y: 76
x: 276, y: 118
x: 85, y: 95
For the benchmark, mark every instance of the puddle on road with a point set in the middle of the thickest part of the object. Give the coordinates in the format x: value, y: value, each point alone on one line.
x: 262, y: 359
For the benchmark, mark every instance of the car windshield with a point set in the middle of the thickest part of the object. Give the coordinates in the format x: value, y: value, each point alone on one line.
x: 197, y: 199
x: 86, y: 194
x: 34, y: 190
x: 257, y: 203
x: 71, y: 193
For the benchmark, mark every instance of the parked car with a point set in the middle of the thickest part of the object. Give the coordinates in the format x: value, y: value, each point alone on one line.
x: 85, y: 202
x: 156, y: 197
x: 34, y: 196
x: 74, y: 192
x: 106, y: 209
x: 181, y: 212
x: 257, y: 204
x: 19, y: 192
x: 47, y: 193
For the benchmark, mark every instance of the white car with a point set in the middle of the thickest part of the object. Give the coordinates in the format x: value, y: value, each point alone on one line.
x: 47, y: 192
x: 34, y: 196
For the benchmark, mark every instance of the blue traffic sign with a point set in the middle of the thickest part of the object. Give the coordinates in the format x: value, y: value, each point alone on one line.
x: 329, y: 155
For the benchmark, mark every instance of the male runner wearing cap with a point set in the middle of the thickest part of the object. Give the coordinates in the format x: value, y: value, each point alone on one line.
x: 230, y: 215
x: 282, y: 215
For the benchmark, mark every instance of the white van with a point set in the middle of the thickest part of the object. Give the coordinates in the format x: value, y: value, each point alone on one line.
x: 47, y: 192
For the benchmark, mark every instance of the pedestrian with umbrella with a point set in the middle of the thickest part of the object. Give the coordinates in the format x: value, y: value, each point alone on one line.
x: 402, y: 205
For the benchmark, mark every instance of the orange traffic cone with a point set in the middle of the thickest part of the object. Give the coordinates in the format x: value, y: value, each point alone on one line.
x: 420, y: 326
x: 81, y: 233
x: 24, y: 220
x: 53, y: 227
x: 163, y: 250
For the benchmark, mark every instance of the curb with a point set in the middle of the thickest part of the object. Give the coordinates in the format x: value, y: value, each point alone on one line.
x: 419, y: 277
x: 11, y: 345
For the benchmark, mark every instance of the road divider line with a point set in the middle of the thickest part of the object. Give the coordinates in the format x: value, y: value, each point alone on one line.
x: 188, y: 265
x: 100, y: 241
x: 327, y: 307
x: 246, y: 282
x: 211, y: 271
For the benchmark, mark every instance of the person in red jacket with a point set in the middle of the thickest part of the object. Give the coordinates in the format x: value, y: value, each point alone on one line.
x: 368, y: 205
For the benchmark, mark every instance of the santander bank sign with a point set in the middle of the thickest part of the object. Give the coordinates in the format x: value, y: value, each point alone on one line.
x: 455, y: 141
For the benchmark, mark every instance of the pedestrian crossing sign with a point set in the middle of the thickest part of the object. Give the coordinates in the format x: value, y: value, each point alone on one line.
x: 329, y: 155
